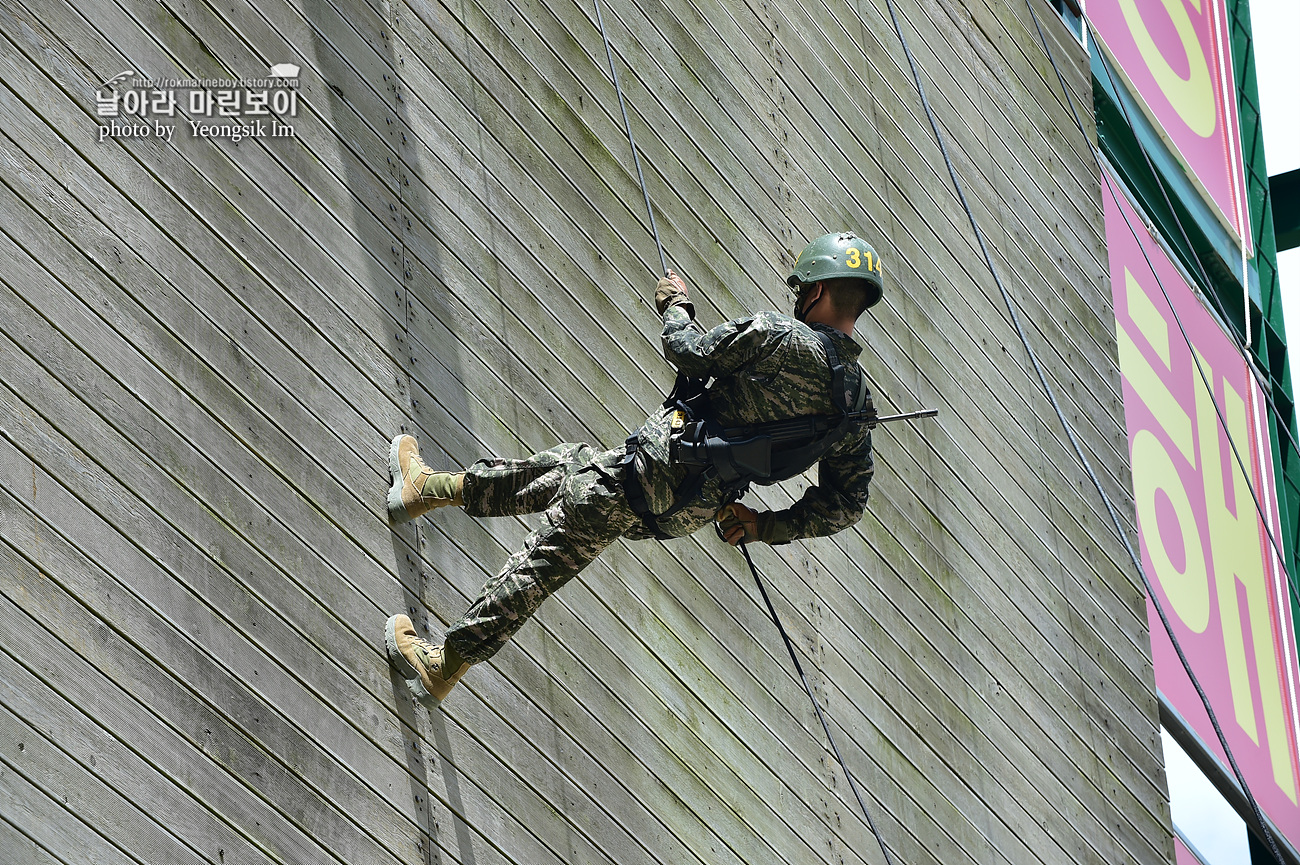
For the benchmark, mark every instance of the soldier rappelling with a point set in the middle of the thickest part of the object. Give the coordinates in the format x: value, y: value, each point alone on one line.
x: 757, y: 400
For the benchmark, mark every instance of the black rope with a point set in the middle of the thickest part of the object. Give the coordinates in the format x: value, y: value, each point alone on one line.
x: 663, y: 263
x: 816, y: 705
x: 627, y: 124
x: 1187, y: 667
x: 1137, y: 562
x: 1209, y: 292
x: 1242, y: 348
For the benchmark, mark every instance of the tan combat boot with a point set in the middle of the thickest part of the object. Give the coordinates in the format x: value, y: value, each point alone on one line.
x: 421, y: 662
x: 417, y: 488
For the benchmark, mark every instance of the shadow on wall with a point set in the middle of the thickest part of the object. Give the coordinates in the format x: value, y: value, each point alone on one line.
x: 415, y: 296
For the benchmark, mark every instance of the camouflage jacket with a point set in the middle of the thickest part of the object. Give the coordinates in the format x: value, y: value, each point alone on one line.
x: 767, y: 367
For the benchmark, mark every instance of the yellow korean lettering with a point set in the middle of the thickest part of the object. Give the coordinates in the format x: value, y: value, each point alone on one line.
x: 1192, y: 97
x: 1188, y: 588
x: 1239, y: 574
x: 1144, y: 377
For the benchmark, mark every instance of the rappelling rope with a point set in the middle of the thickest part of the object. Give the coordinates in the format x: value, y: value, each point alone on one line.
x: 816, y: 705
x: 1218, y: 410
x: 1243, y: 348
x: 627, y: 124
x: 1200, y: 367
x: 663, y: 263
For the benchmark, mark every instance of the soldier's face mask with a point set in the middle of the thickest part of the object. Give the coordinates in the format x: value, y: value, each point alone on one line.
x: 802, y: 304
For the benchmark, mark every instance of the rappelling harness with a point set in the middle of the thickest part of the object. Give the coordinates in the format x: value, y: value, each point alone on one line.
x: 761, y: 453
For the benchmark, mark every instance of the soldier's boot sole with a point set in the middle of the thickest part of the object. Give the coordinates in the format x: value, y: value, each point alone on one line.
x: 415, y: 679
x: 404, y: 667
x: 405, y: 501
x: 396, y: 507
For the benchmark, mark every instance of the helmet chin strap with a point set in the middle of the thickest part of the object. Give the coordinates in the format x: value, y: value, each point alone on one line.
x: 800, y: 310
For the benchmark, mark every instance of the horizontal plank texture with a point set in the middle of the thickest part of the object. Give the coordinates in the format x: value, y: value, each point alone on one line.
x: 206, y: 344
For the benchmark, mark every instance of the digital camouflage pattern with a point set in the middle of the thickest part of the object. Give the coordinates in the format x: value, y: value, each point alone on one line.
x: 580, y: 492
x: 768, y: 367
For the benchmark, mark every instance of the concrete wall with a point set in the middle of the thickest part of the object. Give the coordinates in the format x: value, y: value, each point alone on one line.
x: 205, y: 347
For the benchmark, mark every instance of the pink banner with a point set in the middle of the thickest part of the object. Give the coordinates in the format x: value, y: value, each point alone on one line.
x: 1203, y: 541
x: 1176, y: 58
x: 1183, y: 856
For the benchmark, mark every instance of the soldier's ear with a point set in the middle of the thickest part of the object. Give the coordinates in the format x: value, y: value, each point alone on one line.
x: 814, y: 295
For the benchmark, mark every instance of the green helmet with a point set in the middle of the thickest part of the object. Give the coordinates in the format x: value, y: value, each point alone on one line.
x: 836, y: 255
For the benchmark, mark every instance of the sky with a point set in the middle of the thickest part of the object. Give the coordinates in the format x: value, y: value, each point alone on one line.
x: 1276, y: 27
x: 1204, y: 817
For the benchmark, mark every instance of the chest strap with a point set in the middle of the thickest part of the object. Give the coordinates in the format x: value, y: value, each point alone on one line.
x: 741, y: 456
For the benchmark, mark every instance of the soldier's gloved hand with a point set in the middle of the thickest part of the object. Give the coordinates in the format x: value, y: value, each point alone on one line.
x: 671, y: 291
x: 739, y: 523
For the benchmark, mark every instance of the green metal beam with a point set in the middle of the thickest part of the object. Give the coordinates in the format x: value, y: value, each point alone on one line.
x: 1284, y: 189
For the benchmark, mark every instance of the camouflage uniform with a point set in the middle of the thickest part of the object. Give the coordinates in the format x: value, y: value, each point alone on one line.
x: 768, y: 367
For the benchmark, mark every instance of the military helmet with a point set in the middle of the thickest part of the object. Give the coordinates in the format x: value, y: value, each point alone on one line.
x: 839, y: 254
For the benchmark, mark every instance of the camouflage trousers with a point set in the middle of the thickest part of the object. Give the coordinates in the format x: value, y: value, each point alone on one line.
x: 580, y: 492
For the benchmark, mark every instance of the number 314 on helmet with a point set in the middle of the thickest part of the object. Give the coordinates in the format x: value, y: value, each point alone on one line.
x: 836, y: 256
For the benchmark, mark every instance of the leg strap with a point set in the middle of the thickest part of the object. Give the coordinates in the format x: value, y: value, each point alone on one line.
x: 635, y: 492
